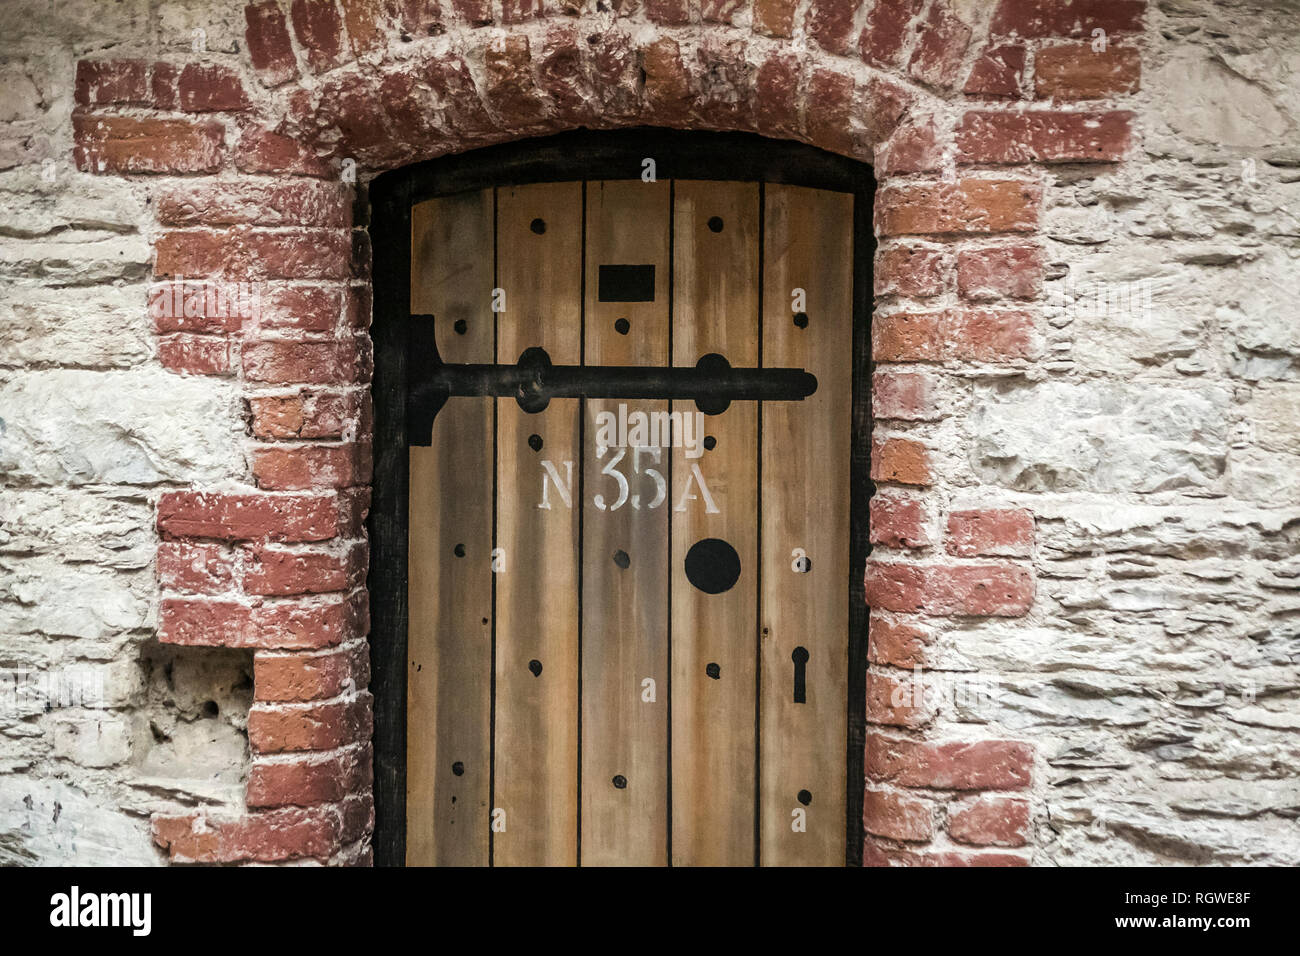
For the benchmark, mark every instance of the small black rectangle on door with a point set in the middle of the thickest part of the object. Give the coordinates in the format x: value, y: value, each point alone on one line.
x: 627, y: 284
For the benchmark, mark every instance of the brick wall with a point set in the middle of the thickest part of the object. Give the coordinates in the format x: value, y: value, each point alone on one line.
x: 1023, y: 483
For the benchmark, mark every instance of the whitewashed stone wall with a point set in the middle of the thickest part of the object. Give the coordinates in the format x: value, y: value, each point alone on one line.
x: 1157, y: 441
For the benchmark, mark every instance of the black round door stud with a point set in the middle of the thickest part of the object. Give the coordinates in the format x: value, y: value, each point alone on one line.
x: 805, y: 797
x: 461, y: 326
x: 458, y: 769
x: 459, y: 550
x: 619, y: 782
x: 621, y: 559
x: 710, y: 443
x: 621, y: 326
x: 536, y: 667
x: 801, y: 320
x: 538, y: 226
x: 714, y: 671
x: 712, y: 565
x: 535, y: 442
x: 715, y: 223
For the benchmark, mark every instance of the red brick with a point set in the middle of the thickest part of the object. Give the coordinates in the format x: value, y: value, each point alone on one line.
x: 914, y: 148
x: 306, y: 676
x: 421, y: 18
x: 881, y: 106
x: 903, y: 396
x: 311, y: 415
x: 998, y: 73
x: 511, y: 88
x: 562, y: 76
x: 123, y: 144
x: 305, y: 308
x: 196, y: 354
x: 668, y: 12
x: 209, y: 88
x: 310, y: 781
x: 307, y: 363
x: 900, y: 460
x: 450, y: 78
x: 300, y: 203
x: 897, y: 816
x: 360, y: 305
x: 477, y: 13
x: 251, y: 517
x: 966, y: 206
x: 244, y: 252
x: 262, y: 837
x: 953, y: 765
x: 774, y: 18
x: 897, y: 643
x: 1001, y: 532
x: 1074, y: 71
x: 1052, y: 18
x: 895, y: 702
x: 990, y: 821
x: 111, y: 82
x: 291, y: 468
x: 909, y: 337
x: 885, y: 33
x: 994, y: 272
x: 273, y: 571
x: 163, y: 86
x: 367, y: 21
x: 206, y: 623
x: 262, y: 151
x: 828, y: 109
x: 830, y: 24
x: 285, y: 728
x: 776, y: 88
x: 898, y: 521
x: 874, y: 855
x: 910, y: 270
x: 195, y: 567
x: 269, y: 47
x: 973, y: 590
x: 993, y: 336
x: 940, y: 47
x: 202, y: 307
x: 319, y: 28
x: 1043, y: 136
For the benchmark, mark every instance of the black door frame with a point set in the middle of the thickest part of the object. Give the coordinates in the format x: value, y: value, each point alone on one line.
x: 579, y: 155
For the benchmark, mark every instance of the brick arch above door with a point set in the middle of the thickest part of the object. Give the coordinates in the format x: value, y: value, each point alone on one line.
x: 255, y: 161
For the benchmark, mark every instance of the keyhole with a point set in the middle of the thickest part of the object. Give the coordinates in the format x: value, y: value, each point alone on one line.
x: 800, y: 658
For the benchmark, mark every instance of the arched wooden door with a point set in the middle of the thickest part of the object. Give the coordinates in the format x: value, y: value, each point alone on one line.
x: 630, y: 427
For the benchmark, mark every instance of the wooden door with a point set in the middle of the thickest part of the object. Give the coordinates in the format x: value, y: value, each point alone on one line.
x: 628, y: 631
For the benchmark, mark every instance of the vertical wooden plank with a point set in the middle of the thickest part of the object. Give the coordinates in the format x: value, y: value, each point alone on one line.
x: 450, y: 630
x: 539, y: 255
x: 715, y: 309
x: 624, y: 608
x: 808, y: 240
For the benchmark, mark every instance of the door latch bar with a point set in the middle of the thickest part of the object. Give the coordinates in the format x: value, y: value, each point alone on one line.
x: 533, y: 381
